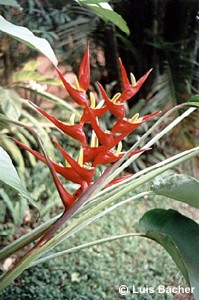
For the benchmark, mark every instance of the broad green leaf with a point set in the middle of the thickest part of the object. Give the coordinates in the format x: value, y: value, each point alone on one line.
x: 194, y: 101
x: 103, y: 10
x: 179, y: 235
x: 26, y: 37
x: 9, y: 176
x: 180, y: 187
x: 12, y: 3
x: 10, y: 103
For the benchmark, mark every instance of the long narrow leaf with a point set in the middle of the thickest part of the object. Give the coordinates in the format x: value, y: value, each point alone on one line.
x: 84, y: 246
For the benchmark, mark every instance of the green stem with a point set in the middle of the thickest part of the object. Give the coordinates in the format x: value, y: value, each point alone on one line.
x: 84, y: 246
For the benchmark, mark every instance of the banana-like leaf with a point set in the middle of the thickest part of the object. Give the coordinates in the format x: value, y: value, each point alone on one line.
x: 179, y: 235
x: 180, y: 187
x: 9, y: 176
x: 10, y: 103
x: 25, y: 36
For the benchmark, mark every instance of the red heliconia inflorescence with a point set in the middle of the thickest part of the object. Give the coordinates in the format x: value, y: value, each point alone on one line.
x: 105, y: 145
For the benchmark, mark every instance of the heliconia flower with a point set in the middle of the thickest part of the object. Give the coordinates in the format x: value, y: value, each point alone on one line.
x: 127, y: 126
x: 75, y: 131
x: 116, y: 108
x: 105, y: 145
x: 130, y: 89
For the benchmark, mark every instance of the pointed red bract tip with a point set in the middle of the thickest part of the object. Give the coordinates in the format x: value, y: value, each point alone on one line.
x: 125, y: 80
x: 84, y: 71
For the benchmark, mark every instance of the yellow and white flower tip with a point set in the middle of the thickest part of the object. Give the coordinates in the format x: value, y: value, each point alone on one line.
x: 92, y: 100
x: 119, y: 149
x: 72, y: 119
x: 76, y: 84
x: 67, y: 165
x: 133, y: 80
x: 116, y: 97
x: 81, y: 157
x: 100, y: 104
x: 135, y: 119
x: 94, y: 140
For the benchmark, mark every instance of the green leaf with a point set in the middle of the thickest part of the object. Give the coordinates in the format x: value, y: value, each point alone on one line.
x: 26, y: 37
x: 180, y: 187
x: 10, y: 103
x: 194, y: 101
x: 9, y: 176
x: 12, y: 3
x: 26, y: 76
x: 32, y: 65
x: 179, y: 235
x: 103, y: 10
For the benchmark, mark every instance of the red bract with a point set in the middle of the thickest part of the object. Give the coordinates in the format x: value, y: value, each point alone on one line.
x: 90, y: 153
x: 127, y: 126
x: 75, y: 131
x: 79, y: 97
x: 67, y: 173
x: 67, y: 199
x: 129, y: 90
x: 117, y: 109
x: 106, y: 139
x: 84, y: 71
x: 97, y: 112
x: 85, y: 173
x: 109, y: 157
x: 117, y: 180
x: 79, y: 94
